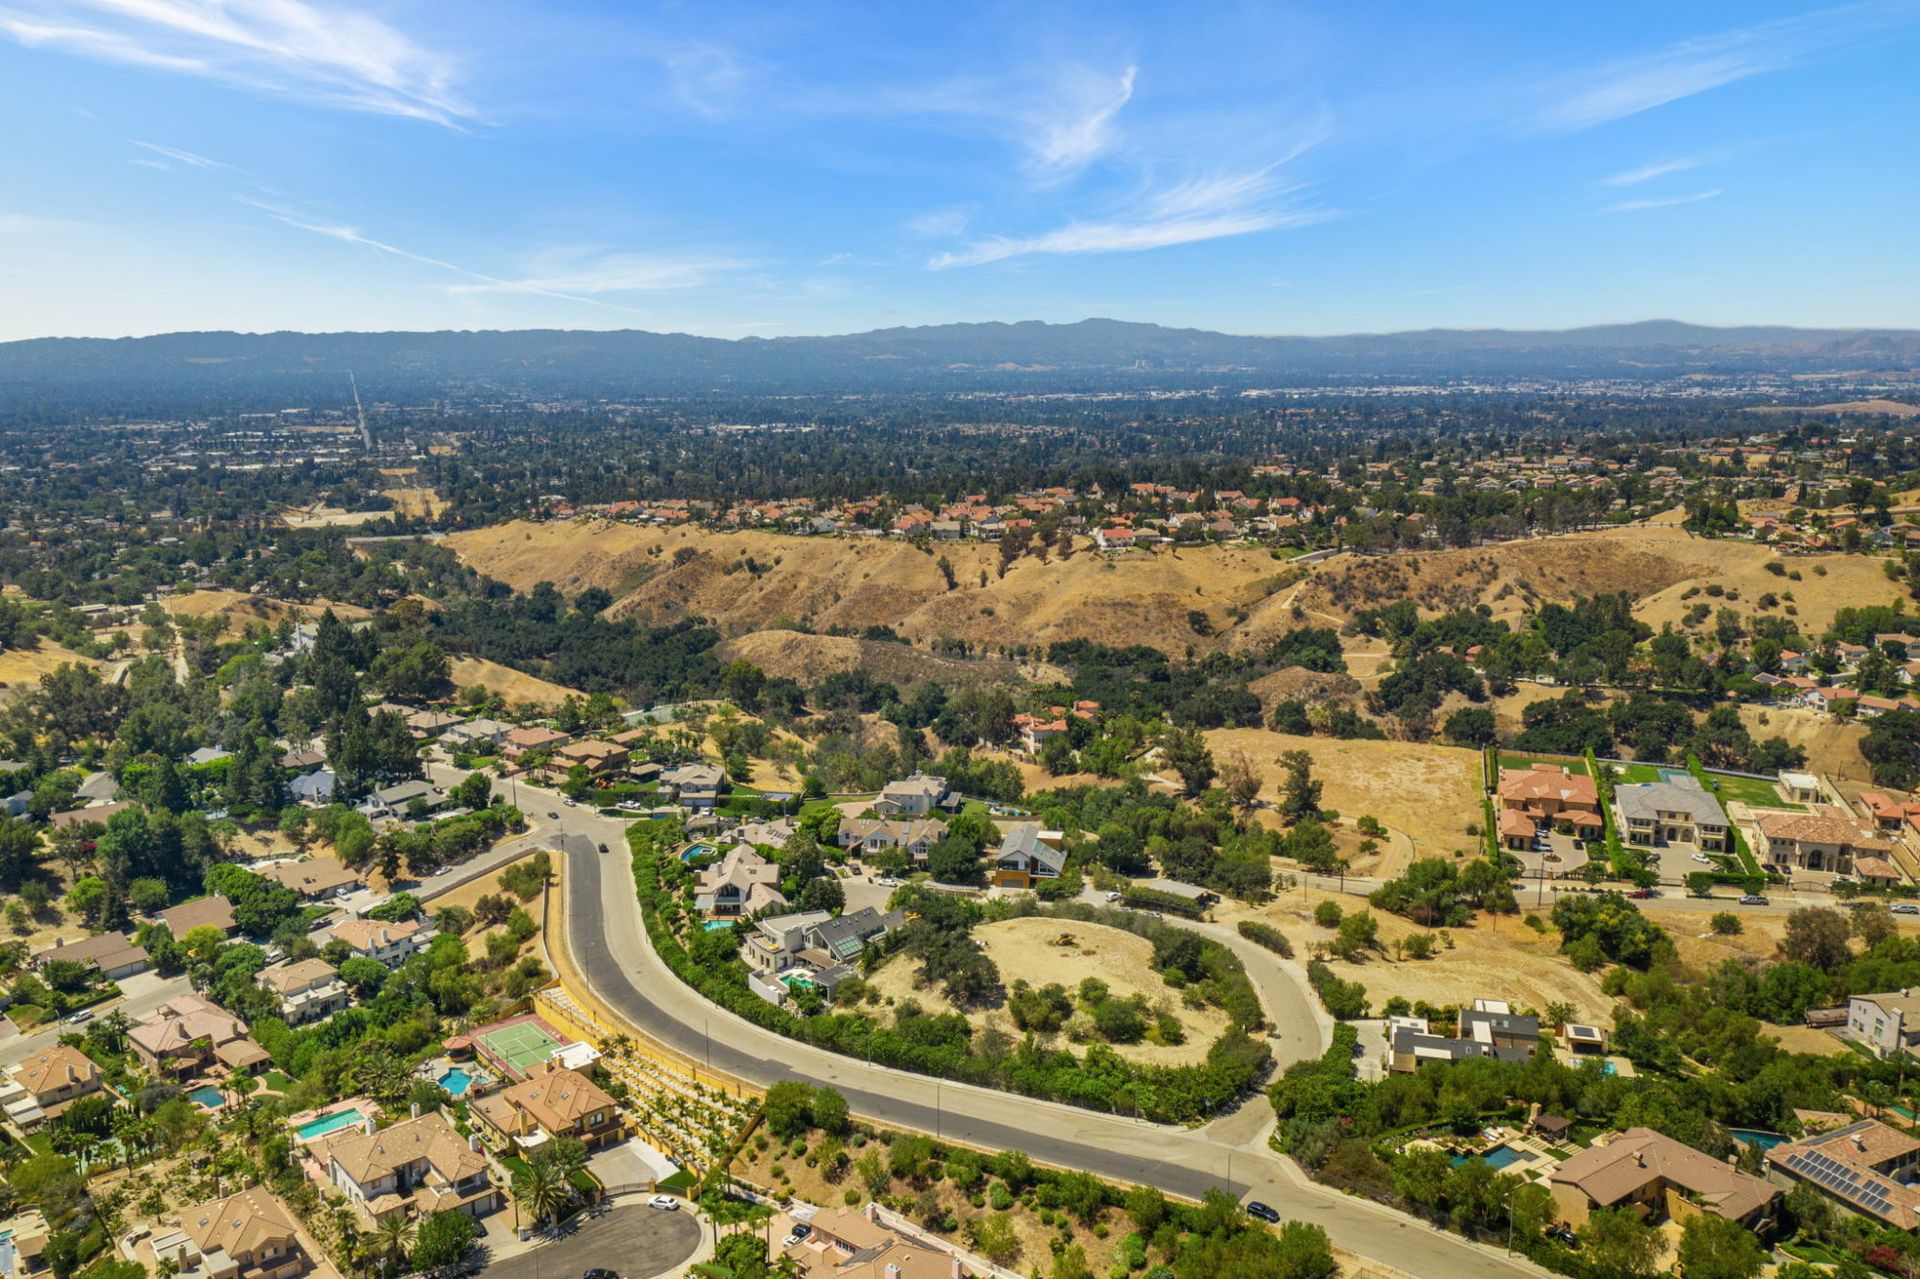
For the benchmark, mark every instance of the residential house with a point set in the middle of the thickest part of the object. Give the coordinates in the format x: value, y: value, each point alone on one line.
x: 381, y: 942
x: 1825, y: 838
x: 741, y: 883
x: 1027, y: 855
x: 1887, y: 1024
x: 308, y: 990
x: 303, y: 760
x: 519, y: 742
x: 314, y: 878
x: 315, y: 789
x: 842, y: 1244
x: 45, y: 1084
x: 1802, y: 788
x: 694, y: 777
x: 1493, y: 1022
x: 1657, y: 1176
x: 1661, y: 814
x: 777, y: 941
x: 202, y: 912
x: 772, y: 834
x: 553, y: 1102
x: 1546, y: 797
x: 598, y: 757
x: 843, y: 938
x: 1868, y: 1167
x: 1113, y: 539
x: 868, y: 836
x: 183, y: 1036
x: 427, y: 725
x: 94, y: 815
x: 1889, y: 814
x: 16, y: 804
x: 112, y: 955
x: 402, y: 798
x: 1194, y: 895
x: 476, y: 735
x: 1037, y: 730
x: 207, y: 755
x: 1411, y: 1045
x: 915, y: 796
x: 420, y: 1164
x: 246, y: 1235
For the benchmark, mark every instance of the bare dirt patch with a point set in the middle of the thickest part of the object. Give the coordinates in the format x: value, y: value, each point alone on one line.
x: 1027, y: 948
x: 421, y: 503
x: 1832, y: 745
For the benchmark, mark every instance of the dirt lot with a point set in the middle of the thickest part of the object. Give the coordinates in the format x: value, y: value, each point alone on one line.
x: 1502, y: 959
x: 1832, y: 746
x: 21, y: 668
x: 515, y: 686
x: 1024, y: 948
x: 1428, y: 793
x: 423, y: 502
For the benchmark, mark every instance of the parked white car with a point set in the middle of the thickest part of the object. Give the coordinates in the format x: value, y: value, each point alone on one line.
x: 665, y: 1203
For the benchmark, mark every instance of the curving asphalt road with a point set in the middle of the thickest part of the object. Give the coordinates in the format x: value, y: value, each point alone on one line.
x: 608, y: 942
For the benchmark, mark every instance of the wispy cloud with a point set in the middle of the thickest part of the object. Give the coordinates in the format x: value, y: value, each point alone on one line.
x: 1633, y: 177
x: 1073, y: 125
x: 184, y: 157
x: 1206, y: 208
x: 570, y: 276
x: 1641, y: 206
x: 941, y: 223
x: 1629, y: 86
x: 309, y: 49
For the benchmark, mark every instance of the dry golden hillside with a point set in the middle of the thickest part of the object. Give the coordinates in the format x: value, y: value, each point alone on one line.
x: 240, y: 608
x: 744, y: 581
x: 515, y: 686
x: 22, y: 667
x: 807, y: 658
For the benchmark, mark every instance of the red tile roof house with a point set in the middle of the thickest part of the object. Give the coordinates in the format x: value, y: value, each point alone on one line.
x: 1546, y: 796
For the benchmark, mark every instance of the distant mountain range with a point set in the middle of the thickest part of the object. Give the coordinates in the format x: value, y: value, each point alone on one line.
x: 209, y: 371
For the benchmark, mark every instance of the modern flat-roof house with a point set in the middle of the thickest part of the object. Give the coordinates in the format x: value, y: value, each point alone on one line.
x: 43, y: 1085
x: 382, y: 942
x: 914, y: 796
x: 553, y: 1102
x: 1412, y: 1045
x: 112, y: 955
x: 1658, y: 1177
x: 183, y: 1036
x: 1825, y: 838
x: 1661, y: 814
x: 776, y: 942
x: 420, y: 1165
x: 1028, y: 855
x: 1802, y: 788
x: 246, y: 1235
x: 308, y: 990
x: 1546, y: 797
x: 1867, y: 1168
x: 741, y: 883
x: 1887, y: 1024
x: 202, y: 912
x: 1493, y: 1022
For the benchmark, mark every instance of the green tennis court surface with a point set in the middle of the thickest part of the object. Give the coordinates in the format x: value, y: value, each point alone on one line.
x: 521, y: 1046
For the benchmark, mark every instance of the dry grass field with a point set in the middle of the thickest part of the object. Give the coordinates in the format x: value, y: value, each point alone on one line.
x: 1832, y: 746
x: 21, y: 668
x: 422, y: 502
x: 809, y: 658
x: 240, y: 608
x: 1428, y: 792
x: 515, y: 686
x: 1027, y: 948
x: 1494, y: 959
x: 1890, y: 408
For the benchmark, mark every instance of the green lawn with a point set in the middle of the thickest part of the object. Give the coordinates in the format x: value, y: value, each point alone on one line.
x: 277, y: 1081
x: 1523, y: 762
x: 1750, y: 791
x: 1634, y: 774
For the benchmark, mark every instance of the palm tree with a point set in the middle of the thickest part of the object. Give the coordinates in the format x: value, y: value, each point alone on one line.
x: 542, y: 1190
x: 393, y: 1240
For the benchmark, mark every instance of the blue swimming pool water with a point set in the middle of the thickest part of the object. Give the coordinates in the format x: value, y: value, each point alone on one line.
x: 1757, y: 1137
x: 207, y: 1095
x: 1498, y: 1157
x: 456, y: 1081
x: 698, y: 850
x: 715, y: 925
x: 332, y: 1122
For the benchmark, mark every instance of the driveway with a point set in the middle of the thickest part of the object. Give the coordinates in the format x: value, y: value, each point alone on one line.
x: 630, y: 1239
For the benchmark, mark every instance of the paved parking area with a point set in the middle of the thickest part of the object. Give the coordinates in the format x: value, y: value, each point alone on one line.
x: 630, y: 1239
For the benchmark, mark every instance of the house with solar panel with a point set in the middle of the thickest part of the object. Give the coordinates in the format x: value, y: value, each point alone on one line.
x: 1866, y: 1168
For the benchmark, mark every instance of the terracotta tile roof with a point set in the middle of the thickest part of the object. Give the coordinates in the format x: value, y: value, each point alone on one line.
x: 371, y: 934
x: 368, y: 1157
x: 251, y: 1222
x: 55, y: 1068
x: 1822, y: 826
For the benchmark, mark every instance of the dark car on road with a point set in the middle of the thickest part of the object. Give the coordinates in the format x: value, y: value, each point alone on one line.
x: 598, y: 1272
x: 1264, y: 1212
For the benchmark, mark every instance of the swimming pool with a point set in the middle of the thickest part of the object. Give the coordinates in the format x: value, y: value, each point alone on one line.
x: 456, y: 1081
x: 715, y: 925
x: 332, y: 1122
x: 208, y: 1096
x: 1498, y: 1157
x: 698, y: 850
x: 1758, y: 1137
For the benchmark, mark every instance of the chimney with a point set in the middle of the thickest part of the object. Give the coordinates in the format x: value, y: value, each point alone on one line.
x: 473, y: 1142
x: 959, y: 1271
x: 1640, y: 1158
x: 414, y: 1110
x: 892, y: 1271
x: 871, y: 1212
x: 366, y: 1125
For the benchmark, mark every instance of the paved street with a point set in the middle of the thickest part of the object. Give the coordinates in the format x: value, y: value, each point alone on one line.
x: 141, y: 994
x: 608, y: 943
x: 630, y: 1239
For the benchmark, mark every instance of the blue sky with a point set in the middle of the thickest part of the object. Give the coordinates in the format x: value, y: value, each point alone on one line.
x: 736, y: 169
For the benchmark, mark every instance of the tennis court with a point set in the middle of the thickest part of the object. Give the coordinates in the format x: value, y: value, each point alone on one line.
x: 520, y: 1045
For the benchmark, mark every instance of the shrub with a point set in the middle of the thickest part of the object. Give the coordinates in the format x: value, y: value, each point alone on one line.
x: 1266, y: 935
x: 1327, y: 914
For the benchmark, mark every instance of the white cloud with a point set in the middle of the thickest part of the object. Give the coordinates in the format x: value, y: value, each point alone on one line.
x: 1207, y: 208
x: 309, y: 49
x: 1071, y: 126
x: 1633, y: 177
x: 1629, y: 86
x: 1641, y: 206
x: 184, y: 157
